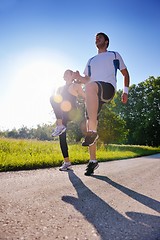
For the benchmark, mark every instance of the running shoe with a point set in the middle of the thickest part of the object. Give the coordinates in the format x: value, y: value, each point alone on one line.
x: 65, y: 166
x: 90, y: 168
x: 90, y: 139
x: 58, y: 130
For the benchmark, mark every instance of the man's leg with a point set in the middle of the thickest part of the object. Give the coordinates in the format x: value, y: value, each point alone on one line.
x: 93, y: 163
x: 92, y: 151
x: 92, y: 105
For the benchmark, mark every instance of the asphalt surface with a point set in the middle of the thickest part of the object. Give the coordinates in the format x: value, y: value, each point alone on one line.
x: 120, y: 202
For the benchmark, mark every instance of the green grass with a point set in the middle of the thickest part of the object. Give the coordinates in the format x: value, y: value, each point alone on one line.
x: 32, y: 154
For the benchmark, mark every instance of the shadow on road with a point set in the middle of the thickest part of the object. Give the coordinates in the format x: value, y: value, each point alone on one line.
x: 108, y: 222
x: 147, y: 201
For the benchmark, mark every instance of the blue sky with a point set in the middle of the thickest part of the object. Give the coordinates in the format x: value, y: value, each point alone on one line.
x: 40, y: 39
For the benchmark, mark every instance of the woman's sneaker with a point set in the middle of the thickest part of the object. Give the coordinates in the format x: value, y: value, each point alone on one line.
x: 58, y: 130
x: 90, y: 168
x: 65, y: 166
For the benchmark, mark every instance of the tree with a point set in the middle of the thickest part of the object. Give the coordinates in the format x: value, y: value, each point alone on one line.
x: 142, y: 112
x: 43, y: 132
x: 12, y: 134
x: 23, y: 132
x: 76, y: 129
x: 111, y: 129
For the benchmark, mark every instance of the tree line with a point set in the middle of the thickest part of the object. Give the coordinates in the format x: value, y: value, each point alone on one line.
x: 137, y: 122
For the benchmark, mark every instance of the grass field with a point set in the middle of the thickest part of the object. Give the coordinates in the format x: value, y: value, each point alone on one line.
x: 32, y: 154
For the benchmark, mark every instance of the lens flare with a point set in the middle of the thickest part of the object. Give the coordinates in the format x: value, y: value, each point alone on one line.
x: 58, y: 98
x: 66, y: 106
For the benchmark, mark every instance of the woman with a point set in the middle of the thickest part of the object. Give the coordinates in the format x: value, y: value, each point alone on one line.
x: 64, y: 107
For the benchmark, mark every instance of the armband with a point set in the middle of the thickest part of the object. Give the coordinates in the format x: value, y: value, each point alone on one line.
x: 125, y: 90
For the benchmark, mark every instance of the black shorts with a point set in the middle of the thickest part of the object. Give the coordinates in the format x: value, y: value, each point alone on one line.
x: 106, y: 93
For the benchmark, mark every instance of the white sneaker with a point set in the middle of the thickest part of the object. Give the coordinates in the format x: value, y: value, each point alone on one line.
x: 65, y: 166
x: 58, y: 130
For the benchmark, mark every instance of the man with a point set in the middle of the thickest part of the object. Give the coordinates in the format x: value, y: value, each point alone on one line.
x: 100, y: 86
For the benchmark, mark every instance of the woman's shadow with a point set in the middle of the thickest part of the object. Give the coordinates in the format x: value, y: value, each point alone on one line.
x: 108, y: 222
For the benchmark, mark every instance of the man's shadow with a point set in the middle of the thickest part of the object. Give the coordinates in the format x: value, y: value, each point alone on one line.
x: 148, y: 220
x: 147, y: 201
x: 108, y: 222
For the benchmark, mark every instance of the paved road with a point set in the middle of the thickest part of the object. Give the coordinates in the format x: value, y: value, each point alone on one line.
x: 120, y: 202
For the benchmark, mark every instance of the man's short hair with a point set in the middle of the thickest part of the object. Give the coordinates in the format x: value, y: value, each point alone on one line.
x: 104, y: 35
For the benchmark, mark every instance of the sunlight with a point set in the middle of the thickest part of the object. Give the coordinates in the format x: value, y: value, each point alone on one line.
x: 40, y: 73
x: 35, y: 76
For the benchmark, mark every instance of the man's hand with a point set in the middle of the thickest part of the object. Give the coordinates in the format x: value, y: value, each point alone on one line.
x: 76, y: 75
x: 124, y: 98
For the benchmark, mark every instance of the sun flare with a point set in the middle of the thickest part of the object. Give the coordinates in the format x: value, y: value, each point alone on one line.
x: 34, y: 78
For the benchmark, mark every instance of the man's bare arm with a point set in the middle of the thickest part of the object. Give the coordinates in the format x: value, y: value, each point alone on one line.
x: 126, y: 76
